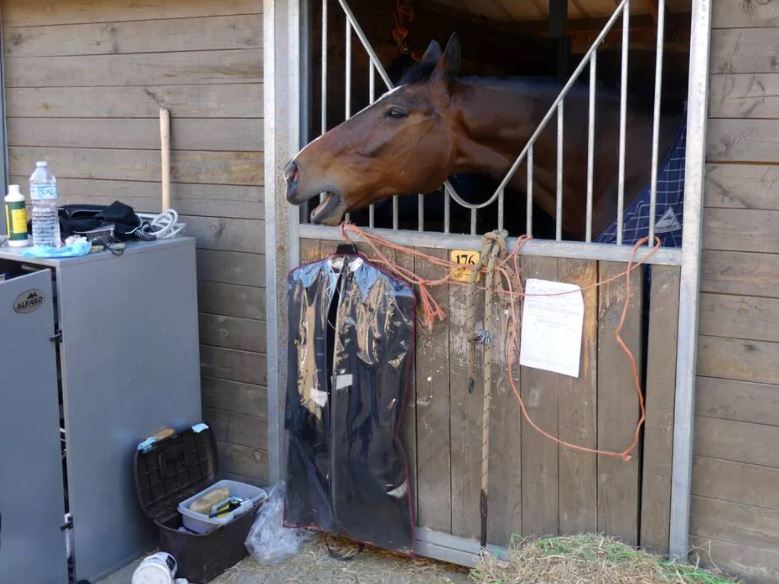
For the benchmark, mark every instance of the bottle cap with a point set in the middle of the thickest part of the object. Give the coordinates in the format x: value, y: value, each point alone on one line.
x: 41, y: 163
x: 14, y: 190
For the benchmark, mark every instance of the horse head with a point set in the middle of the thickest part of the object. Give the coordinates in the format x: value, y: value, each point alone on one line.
x: 402, y: 143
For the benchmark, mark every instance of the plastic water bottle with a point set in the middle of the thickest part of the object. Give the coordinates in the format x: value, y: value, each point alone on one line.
x: 45, y: 218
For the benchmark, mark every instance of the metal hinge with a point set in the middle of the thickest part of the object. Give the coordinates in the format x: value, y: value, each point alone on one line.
x: 57, y: 338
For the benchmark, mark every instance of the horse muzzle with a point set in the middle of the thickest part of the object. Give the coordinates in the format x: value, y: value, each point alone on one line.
x: 331, y: 207
x: 292, y: 178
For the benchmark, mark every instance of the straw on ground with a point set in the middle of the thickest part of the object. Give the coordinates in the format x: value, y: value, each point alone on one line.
x: 586, y: 559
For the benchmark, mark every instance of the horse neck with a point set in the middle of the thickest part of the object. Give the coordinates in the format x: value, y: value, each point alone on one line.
x: 494, y: 121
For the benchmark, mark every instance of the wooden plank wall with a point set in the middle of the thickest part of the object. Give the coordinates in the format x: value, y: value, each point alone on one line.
x: 537, y: 488
x: 735, y: 507
x: 85, y: 80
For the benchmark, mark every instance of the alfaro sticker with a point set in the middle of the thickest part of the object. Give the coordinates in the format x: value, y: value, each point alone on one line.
x: 43, y: 192
x: 29, y: 300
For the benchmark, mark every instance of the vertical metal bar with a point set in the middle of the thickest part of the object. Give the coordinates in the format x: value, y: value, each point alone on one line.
x: 591, y: 142
x: 348, y: 82
x: 371, y: 99
x: 281, y: 78
x: 623, y: 106
x: 447, y: 209
x: 371, y: 83
x: 656, y: 119
x: 421, y: 212
x: 529, y: 193
x: 687, y: 347
x: 274, y: 330
x: 323, y: 97
x: 500, y: 209
x: 473, y: 221
x: 348, y: 88
x: 395, y: 212
x: 559, y: 197
x: 306, y: 86
x: 323, y: 105
x: 306, y: 81
x: 365, y: 43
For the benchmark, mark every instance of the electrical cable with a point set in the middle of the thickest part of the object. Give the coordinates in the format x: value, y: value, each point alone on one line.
x: 164, y: 225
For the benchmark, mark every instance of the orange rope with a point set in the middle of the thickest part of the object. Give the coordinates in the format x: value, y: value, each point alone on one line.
x: 432, y: 310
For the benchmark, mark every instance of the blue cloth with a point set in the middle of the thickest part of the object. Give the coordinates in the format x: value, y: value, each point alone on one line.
x: 71, y: 250
x: 670, y: 203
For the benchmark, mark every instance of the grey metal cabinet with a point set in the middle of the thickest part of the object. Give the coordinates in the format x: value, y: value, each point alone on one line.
x: 125, y: 350
x: 32, y: 500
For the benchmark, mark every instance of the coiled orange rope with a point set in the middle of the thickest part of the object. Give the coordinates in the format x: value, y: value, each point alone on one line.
x: 512, y: 290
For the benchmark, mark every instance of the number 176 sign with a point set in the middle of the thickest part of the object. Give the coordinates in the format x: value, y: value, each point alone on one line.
x: 466, y: 258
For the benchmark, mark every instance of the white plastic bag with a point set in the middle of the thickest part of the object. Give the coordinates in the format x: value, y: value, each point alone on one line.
x: 269, y: 542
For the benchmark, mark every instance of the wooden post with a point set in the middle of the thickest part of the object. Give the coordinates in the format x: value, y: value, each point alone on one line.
x: 165, y: 154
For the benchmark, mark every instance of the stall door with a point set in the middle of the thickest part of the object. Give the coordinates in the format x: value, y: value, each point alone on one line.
x: 32, y: 545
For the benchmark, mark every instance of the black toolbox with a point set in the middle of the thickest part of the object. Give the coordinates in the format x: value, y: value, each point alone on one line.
x: 171, y: 470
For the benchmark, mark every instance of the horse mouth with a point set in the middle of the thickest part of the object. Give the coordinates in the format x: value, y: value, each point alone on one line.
x: 328, y: 212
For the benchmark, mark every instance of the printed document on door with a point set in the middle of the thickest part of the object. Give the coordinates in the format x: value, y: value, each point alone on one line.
x: 552, y: 321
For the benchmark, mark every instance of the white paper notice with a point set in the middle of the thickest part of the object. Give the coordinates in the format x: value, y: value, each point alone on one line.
x: 552, y: 327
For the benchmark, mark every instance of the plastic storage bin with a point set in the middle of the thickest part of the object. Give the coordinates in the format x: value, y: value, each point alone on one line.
x: 172, y: 470
x: 202, y: 523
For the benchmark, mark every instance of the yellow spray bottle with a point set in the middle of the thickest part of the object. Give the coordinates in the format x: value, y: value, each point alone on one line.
x: 15, y: 217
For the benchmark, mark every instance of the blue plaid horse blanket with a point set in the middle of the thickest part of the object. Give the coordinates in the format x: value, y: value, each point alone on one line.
x: 670, y: 203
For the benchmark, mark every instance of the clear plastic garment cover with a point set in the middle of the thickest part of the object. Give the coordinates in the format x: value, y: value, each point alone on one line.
x: 351, y: 350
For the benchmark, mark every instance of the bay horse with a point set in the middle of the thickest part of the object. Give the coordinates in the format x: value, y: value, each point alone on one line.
x: 436, y: 124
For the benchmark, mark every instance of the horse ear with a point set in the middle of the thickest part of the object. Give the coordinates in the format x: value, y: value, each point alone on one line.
x: 432, y: 54
x: 448, y: 66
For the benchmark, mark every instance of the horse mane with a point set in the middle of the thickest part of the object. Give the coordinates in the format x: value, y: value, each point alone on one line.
x: 640, y: 100
x: 420, y: 72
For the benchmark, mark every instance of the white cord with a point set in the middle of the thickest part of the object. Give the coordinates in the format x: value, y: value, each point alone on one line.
x: 165, y: 225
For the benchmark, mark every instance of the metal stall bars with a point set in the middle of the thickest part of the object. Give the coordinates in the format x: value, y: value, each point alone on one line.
x: 454, y: 548
x: 376, y: 65
x: 557, y: 108
x: 622, y: 12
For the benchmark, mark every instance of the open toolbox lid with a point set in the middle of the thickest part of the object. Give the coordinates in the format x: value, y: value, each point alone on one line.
x: 170, y: 470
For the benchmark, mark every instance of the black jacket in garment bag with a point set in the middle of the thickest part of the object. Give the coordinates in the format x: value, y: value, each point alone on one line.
x: 351, y: 350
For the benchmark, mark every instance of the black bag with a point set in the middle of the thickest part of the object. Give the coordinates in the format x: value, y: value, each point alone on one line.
x: 86, y: 219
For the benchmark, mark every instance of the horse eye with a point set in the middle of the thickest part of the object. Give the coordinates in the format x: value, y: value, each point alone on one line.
x: 395, y: 113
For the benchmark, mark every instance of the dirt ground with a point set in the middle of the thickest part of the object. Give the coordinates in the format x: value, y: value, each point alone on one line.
x: 313, y: 565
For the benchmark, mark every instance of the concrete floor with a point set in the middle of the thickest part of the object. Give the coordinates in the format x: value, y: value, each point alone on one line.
x: 313, y: 565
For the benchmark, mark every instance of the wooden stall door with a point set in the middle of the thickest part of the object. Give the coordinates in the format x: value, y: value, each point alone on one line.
x: 538, y: 488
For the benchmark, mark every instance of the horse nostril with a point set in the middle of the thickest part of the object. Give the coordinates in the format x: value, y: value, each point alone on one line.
x: 291, y: 172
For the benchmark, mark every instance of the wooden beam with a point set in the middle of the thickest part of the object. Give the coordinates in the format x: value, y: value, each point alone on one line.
x: 540, y: 8
x: 653, y: 9
x: 580, y: 7
x: 637, y: 22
